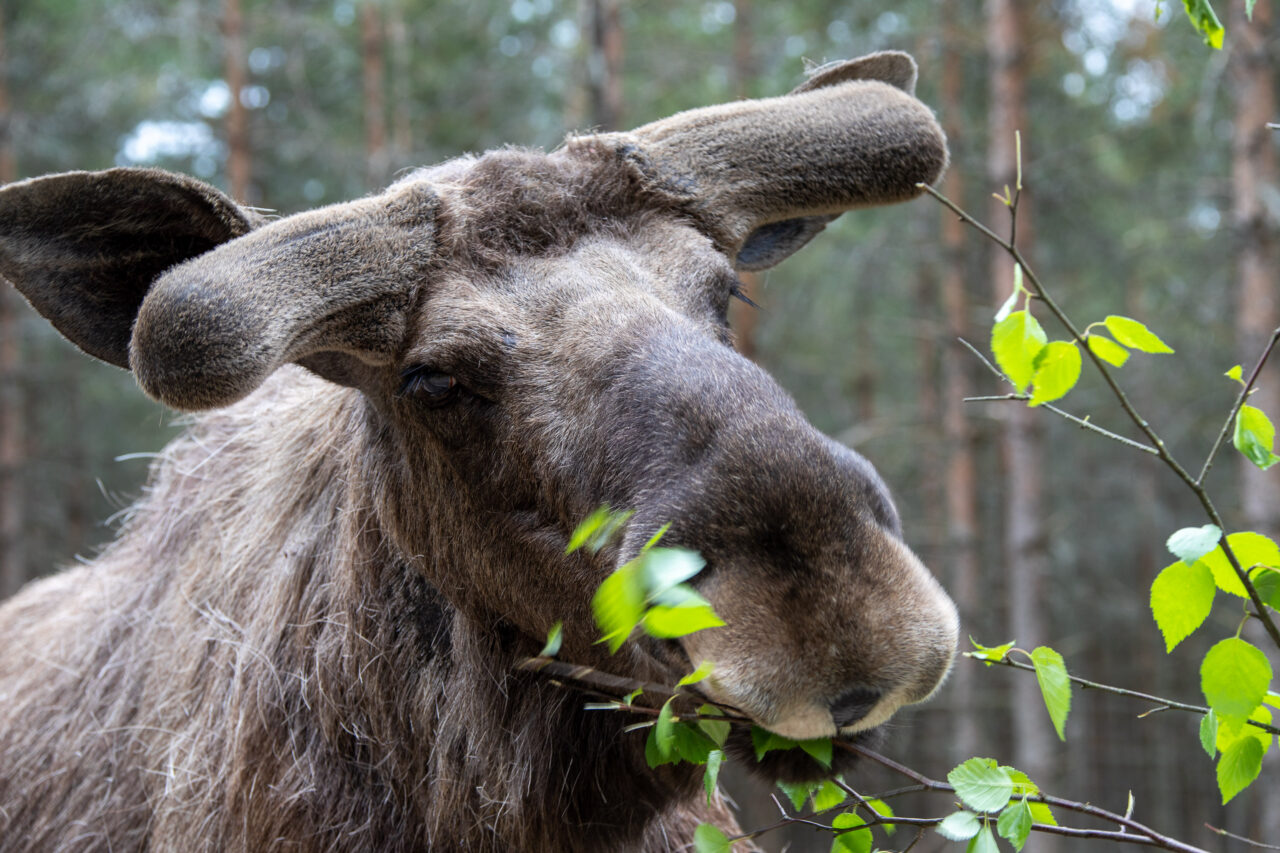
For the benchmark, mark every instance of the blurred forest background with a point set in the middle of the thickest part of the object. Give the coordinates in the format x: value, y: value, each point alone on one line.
x: 1151, y: 192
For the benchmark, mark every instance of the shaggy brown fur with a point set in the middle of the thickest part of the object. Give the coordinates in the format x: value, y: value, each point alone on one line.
x: 305, y: 636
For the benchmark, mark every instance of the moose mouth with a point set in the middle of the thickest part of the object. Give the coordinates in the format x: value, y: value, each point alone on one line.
x: 796, y: 765
x: 777, y: 765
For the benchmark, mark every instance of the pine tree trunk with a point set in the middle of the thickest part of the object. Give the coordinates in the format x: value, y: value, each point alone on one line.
x: 1022, y: 442
x: 373, y: 64
x: 13, y: 570
x: 961, y: 482
x: 1253, y: 174
x: 239, y: 159
x: 401, y: 73
x: 744, y: 318
x: 604, y: 63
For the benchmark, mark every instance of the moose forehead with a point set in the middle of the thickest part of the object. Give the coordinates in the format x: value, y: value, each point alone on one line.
x: 568, y: 250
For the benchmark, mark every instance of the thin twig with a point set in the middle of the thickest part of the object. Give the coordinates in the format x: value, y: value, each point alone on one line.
x: 1137, y: 833
x: 1244, y: 395
x: 1165, y: 704
x: 1083, y: 423
x: 1223, y: 832
x: 1038, y: 290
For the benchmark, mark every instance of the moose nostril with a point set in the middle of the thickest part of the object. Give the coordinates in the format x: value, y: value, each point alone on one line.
x: 854, y: 705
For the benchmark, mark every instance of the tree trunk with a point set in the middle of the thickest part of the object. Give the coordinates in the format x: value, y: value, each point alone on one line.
x: 13, y: 571
x: 1022, y: 442
x: 604, y: 63
x: 1253, y: 173
x: 961, y: 481
x: 239, y: 160
x: 744, y: 318
x: 401, y: 73
x: 373, y: 64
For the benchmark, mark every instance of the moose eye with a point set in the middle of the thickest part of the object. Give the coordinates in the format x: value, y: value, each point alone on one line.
x: 428, y: 384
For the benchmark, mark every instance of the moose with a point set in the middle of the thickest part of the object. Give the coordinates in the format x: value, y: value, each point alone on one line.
x: 306, y: 635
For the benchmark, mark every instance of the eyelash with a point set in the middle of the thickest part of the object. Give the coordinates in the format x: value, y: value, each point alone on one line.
x: 432, y: 386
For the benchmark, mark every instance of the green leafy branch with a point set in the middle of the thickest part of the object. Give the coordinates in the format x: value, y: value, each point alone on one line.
x: 1235, y: 675
x: 1021, y: 336
x: 994, y: 656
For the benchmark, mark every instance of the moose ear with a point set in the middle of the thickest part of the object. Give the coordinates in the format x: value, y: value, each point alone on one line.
x: 330, y: 289
x: 85, y: 247
x: 763, y: 177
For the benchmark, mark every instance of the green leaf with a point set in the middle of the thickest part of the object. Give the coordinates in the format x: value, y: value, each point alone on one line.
x: 1234, y: 677
x: 883, y: 809
x: 797, y: 792
x: 1181, y: 598
x: 854, y: 841
x: 597, y: 529
x: 710, y: 839
x: 819, y: 749
x: 960, y: 826
x: 1009, y: 304
x: 665, y: 567
x: 983, y: 842
x: 554, y: 638
x: 1251, y: 549
x: 1107, y: 350
x: 1016, y: 341
x: 618, y: 605
x: 1191, y: 543
x: 981, y: 784
x: 1055, y: 686
x: 1273, y: 699
x: 714, y: 729
x: 1255, y: 437
x: 1228, y: 734
x: 703, y: 670
x: 1209, y: 733
x: 989, y: 655
x: 1015, y: 822
x: 709, y: 776
x: 1205, y: 20
x: 828, y: 796
x: 1235, y: 373
x: 1024, y: 787
x: 656, y: 538
x: 1057, y: 371
x: 664, y: 734
x: 1238, y: 767
x: 670, y: 622
x: 652, y: 754
x: 1267, y: 583
x: 765, y: 741
x: 690, y: 744
x: 1135, y: 335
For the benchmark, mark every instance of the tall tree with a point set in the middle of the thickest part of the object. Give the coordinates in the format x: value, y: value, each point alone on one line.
x: 743, y: 317
x: 1253, y: 175
x: 401, y: 74
x: 1252, y: 70
x: 961, y: 482
x: 239, y: 156
x: 604, y: 63
x: 12, y: 563
x: 373, y: 64
x: 1021, y: 439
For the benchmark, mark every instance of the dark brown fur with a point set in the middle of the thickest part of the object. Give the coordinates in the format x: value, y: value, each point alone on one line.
x: 305, y: 636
